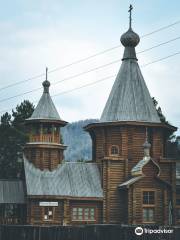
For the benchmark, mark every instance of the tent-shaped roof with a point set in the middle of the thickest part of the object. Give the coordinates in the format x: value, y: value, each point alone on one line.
x: 45, y: 109
x: 130, y: 99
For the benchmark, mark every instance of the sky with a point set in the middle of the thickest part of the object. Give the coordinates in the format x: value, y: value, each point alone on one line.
x: 36, y: 34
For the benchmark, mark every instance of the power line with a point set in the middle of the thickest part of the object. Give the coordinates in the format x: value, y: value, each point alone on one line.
x: 85, y: 85
x: 23, y: 81
x: 161, y: 59
x: 161, y: 29
x: 158, y: 45
x: 63, y: 80
x: 88, y: 71
x: 103, y: 79
x: 86, y: 58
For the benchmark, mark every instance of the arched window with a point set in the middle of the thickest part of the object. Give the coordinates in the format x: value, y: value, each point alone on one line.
x: 114, y: 150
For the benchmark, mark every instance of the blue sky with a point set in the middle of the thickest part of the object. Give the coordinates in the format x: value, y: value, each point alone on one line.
x: 36, y: 34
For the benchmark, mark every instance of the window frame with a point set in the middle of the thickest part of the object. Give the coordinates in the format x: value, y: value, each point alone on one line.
x: 148, y: 198
x: 148, y: 210
x: 44, y: 210
x: 84, y: 208
x: 148, y: 205
x: 110, y: 150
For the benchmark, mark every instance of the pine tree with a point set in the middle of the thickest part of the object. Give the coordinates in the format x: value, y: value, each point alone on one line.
x: 13, y: 139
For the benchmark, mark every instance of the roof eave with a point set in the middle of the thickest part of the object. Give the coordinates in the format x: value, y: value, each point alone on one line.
x: 130, y: 123
x: 46, y: 120
x: 126, y: 186
x: 64, y: 197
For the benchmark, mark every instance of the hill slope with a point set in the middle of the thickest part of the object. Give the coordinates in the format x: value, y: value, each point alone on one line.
x: 78, y: 141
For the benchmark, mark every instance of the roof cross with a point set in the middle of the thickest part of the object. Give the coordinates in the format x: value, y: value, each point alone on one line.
x: 130, y: 12
x: 46, y: 73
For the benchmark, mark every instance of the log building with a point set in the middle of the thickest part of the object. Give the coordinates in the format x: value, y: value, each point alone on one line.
x: 130, y: 179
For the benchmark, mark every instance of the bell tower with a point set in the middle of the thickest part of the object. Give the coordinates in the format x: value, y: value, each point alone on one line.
x: 45, y: 148
x: 118, y: 137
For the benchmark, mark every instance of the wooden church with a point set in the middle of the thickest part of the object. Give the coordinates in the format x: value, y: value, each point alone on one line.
x: 130, y: 180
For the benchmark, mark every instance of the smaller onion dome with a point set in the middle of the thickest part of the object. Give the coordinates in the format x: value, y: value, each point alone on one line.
x: 146, y: 147
x: 46, y: 84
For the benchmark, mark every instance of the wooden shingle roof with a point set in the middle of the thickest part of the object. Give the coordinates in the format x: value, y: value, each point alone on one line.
x: 45, y: 109
x: 70, y: 179
x: 130, y: 99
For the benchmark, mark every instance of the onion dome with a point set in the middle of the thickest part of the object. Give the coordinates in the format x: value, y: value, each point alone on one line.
x: 146, y: 145
x: 46, y: 84
x: 130, y: 38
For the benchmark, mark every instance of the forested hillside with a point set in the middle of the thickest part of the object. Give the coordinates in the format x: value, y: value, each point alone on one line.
x: 78, y: 141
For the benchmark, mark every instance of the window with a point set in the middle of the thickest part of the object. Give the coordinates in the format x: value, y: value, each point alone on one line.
x: 83, y: 214
x: 177, y: 201
x: 148, y: 211
x: 148, y: 197
x: 48, y: 213
x: 114, y: 150
x: 148, y: 214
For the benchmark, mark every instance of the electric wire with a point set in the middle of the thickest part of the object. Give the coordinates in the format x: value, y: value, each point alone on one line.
x: 103, y: 79
x: 90, y: 70
x: 86, y: 58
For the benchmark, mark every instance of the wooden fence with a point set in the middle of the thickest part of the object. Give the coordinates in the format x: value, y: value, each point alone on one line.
x: 85, y: 232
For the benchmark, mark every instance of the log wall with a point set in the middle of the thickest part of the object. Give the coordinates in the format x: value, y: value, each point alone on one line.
x: 62, y: 214
x: 44, y: 157
x: 116, y: 169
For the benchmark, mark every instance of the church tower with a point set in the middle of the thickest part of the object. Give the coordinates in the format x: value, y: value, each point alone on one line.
x: 58, y: 193
x: 45, y: 147
x: 128, y: 120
